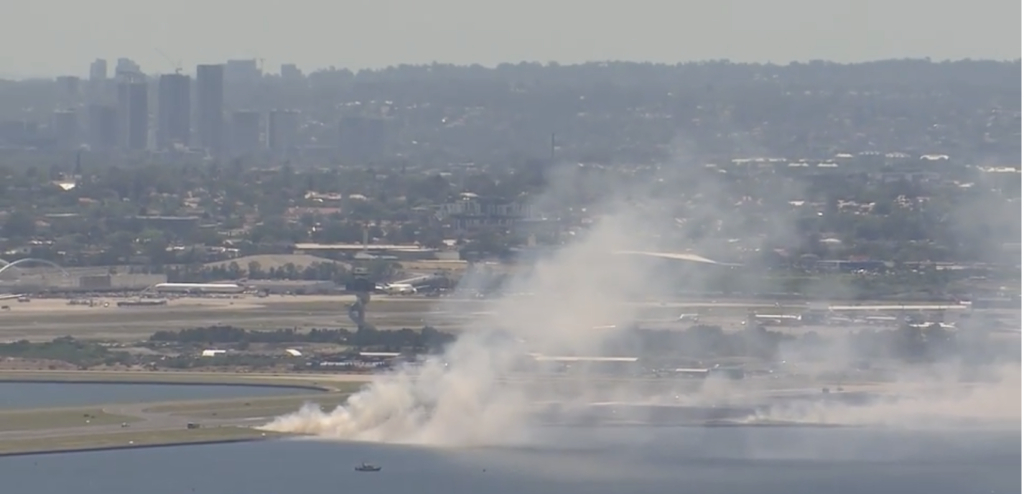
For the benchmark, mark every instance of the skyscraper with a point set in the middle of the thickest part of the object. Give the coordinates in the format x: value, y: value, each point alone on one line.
x: 133, y: 115
x: 70, y: 88
x: 174, y: 117
x: 102, y: 127
x: 245, y: 132
x: 98, y: 70
x: 242, y: 71
x: 98, y: 85
x: 210, y: 107
x: 282, y: 131
x: 126, y: 67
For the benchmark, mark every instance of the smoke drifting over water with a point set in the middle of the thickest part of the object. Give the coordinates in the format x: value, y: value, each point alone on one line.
x: 934, y: 401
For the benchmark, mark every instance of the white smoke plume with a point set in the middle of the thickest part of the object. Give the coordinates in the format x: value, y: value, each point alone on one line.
x: 581, y: 297
x: 571, y: 301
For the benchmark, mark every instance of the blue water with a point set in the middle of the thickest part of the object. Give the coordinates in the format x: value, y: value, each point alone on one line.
x: 570, y: 461
x: 45, y: 395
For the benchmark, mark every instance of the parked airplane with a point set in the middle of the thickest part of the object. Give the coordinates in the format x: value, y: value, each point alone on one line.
x: 778, y: 319
x: 926, y: 325
x: 398, y: 289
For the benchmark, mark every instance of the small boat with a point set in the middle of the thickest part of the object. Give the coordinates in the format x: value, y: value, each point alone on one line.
x: 366, y: 467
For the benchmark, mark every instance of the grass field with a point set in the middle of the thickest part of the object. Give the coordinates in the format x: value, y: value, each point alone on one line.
x: 25, y: 420
x: 335, y: 383
x: 249, y: 409
x: 132, y: 439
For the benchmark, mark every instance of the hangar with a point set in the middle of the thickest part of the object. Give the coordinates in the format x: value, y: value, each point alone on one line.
x: 198, y: 288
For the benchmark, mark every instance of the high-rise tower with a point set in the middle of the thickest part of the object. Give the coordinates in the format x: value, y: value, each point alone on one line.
x: 133, y: 114
x: 174, y: 117
x: 210, y: 108
x: 282, y: 131
x: 245, y: 133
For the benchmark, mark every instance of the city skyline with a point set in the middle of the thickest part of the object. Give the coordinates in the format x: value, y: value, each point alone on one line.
x: 390, y: 32
x: 120, y: 116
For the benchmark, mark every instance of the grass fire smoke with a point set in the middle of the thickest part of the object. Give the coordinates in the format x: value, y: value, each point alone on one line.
x: 578, y: 301
x: 460, y: 398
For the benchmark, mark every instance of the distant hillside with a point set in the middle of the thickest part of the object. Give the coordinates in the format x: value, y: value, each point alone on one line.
x: 269, y: 261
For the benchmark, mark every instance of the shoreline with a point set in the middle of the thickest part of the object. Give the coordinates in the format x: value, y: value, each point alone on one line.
x: 169, y: 427
x: 169, y: 444
x: 307, y: 437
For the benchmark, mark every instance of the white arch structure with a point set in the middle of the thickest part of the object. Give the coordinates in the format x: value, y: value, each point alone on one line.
x: 673, y: 256
x: 13, y: 264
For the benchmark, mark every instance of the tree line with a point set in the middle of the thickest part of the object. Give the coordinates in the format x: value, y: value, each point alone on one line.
x: 905, y: 343
x: 425, y: 339
x: 908, y: 344
x: 84, y: 354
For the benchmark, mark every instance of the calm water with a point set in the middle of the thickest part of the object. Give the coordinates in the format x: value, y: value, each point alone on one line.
x: 574, y: 461
x: 42, y: 395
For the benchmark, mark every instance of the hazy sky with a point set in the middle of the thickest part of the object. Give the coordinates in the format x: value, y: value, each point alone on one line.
x: 50, y: 37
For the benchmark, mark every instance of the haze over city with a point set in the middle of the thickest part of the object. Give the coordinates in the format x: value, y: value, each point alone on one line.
x: 49, y: 38
x: 504, y: 247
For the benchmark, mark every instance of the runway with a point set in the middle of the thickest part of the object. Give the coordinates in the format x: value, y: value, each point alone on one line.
x: 149, y: 421
x: 45, y: 319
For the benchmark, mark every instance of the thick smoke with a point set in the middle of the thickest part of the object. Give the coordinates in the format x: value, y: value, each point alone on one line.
x: 566, y: 304
x: 582, y: 299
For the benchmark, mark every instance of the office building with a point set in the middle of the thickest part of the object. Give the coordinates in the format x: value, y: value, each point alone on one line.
x: 210, y: 108
x: 98, y: 87
x: 242, y: 71
x: 291, y: 72
x: 127, y: 67
x: 65, y: 129
x: 69, y: 87
x: 98, y: 70
x: 102, y: 127
x: 133, y: 115
x: 360, y: 139
x: 245, y: 132
x: 174, y: 111
x: 283, y: 131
